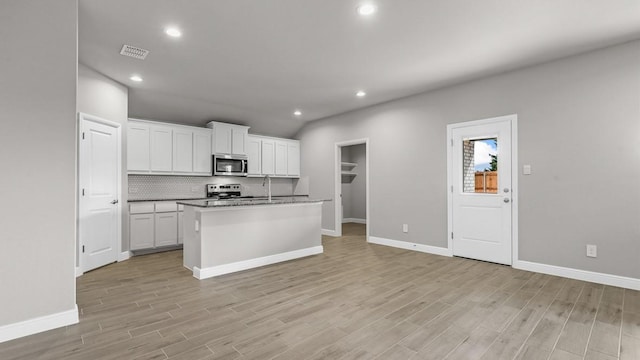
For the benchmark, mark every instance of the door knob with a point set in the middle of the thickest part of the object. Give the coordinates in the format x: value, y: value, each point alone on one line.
x: 114, y: 202
x: 506, y: 200
x: 506, y: 190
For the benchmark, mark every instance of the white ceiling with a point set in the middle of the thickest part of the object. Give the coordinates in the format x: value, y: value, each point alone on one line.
x: 253, y: 62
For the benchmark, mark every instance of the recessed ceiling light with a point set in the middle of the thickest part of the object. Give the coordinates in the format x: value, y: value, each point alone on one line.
x: 361, y: 94
x: 297, y: 113
x: 367, y: 9
x: 136, y: 78
x: 173, y: 32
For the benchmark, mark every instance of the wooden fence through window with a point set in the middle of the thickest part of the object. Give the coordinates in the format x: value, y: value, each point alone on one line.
x: 487, y: 182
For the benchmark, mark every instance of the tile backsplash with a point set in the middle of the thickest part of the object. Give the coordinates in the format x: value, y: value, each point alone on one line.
x: 147, y: 187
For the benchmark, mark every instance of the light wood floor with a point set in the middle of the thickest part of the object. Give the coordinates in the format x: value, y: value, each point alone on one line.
x: 355, y: 301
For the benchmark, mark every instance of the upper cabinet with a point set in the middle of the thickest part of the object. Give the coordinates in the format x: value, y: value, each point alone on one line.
x: 276, y: 157
x: 138, y: 147
x: 155, y: 148
x: 202, y: 151
x: 254, y: 155
x: 165, y: 149
x: 229, y: 138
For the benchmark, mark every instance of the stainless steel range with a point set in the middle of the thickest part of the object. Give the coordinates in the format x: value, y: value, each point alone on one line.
x: 224, y: 191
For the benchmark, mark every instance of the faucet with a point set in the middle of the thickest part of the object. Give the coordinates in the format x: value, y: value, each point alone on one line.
x: 267, y: 177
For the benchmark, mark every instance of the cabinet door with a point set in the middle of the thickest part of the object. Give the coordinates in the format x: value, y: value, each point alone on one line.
x: 268, y: 157
x: 222, y: 139
x: 202, y: 152
x: 138, y: 147
x: 141, y: 228
x: 293, y: 159
x: 166, y: 226
x: 281, y: 158
x: 254, y: 155
x: 161, y: 148
x: 180, y: 227
x: 239, y: 140
x: 182, y: 150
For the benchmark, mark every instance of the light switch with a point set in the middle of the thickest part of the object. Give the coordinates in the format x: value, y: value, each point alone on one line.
x: 526, y: 170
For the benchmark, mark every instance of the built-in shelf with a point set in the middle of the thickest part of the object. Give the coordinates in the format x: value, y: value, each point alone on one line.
x: 347, y: 172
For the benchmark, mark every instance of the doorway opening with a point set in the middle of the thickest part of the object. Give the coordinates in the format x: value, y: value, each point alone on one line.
x: 352, y: 188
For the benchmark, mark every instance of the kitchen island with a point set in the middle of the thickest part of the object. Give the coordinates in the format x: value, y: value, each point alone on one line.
x: 225, y: 236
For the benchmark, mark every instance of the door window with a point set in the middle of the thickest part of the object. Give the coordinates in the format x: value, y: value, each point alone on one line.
x: 480, y: 165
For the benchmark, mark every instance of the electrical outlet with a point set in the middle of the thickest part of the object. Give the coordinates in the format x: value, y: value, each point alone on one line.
x: 405, y: 228
x: 592, y: 251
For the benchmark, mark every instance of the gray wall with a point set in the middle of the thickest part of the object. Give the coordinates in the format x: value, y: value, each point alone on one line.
x: 579, y: 128
x: 101, y: 96
x: 354, y: 195
x: 38, y: 65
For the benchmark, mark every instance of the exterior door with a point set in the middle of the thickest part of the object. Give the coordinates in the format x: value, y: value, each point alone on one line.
x: 99, y: 194
x: 481, y: 186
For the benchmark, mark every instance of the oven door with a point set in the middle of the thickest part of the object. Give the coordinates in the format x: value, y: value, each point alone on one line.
x: 229, y: 166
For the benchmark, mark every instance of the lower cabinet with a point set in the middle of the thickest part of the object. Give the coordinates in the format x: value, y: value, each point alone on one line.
x: 154, y: 224
x: 141, y: 231
x: 166, y: 227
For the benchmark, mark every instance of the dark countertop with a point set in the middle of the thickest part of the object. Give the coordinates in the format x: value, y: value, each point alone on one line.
x: 199, y: 198
x: 250, y: 202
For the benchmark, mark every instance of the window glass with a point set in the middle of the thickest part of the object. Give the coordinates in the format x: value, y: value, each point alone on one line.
x: 480, y: 165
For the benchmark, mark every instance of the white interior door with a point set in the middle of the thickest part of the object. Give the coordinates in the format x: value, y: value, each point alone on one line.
x: 481, y: 202
x: 99, y: 194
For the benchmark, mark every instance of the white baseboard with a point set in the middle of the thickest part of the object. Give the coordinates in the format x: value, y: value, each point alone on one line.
x: 329, y: 232
x: 125, y: 255
x: 354, y: 220
x: 584, y: 275
x: 254, y: 263
x: 39, y: 324
x: 411, y: 246
x: 78, y: 271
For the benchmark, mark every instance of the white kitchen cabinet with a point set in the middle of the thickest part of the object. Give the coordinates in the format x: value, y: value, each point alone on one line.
x: 202, y: 151
x: 154, y: 224
x: 141, y: 231
x: 268, y: 157
x: 166, y: 229
x: 293, y: 158
x: 254, y: 155
x: 281, y: 158
x: 229, y: 138
x: 275, y: 156
x: 182, y: 150
x: 164, y: 149
x: 222, y: 139
x: 239, y: 140
x: 161, y: 149
x: 138, y: 147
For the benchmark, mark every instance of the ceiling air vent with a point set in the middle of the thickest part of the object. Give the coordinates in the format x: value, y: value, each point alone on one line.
x: 134, y: 52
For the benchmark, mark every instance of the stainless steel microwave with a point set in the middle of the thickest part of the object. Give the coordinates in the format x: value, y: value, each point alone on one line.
x: 229, y: 165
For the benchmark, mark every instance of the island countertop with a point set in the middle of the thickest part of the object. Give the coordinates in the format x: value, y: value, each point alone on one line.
x: 249, y: 202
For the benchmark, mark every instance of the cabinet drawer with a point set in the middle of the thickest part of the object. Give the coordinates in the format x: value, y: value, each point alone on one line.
x: 141, y: 208
x: 166, y: 206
